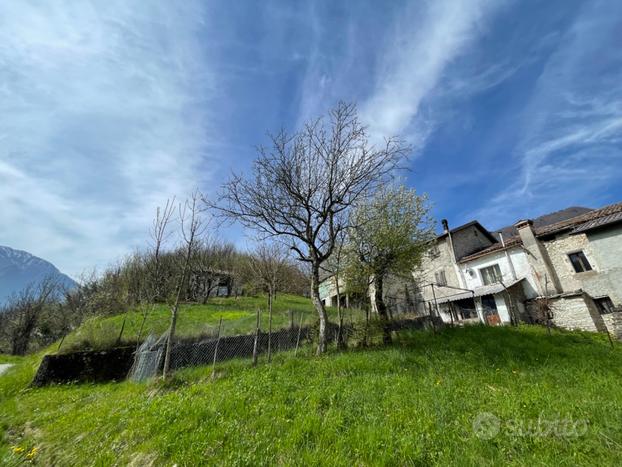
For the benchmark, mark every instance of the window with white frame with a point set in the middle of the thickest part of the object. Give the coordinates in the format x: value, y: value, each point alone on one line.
x: 579, y: 261
x: 491, y: 274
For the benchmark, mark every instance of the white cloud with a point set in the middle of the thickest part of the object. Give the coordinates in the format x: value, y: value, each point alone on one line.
x: 394, y: 71
x: 103, y: 115
x: 572, y: 127
x: 426, y: 40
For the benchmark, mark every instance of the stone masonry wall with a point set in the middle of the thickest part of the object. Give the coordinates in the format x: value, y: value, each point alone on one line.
x: 558, y: 250
x: 603, y: 280
x: 572, y: 313
x: 425, y: 273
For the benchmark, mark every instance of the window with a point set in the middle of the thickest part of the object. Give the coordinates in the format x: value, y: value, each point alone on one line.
x: 434, y: 251
x: 605, y: 305
x: 440, y: 278
x: 491, y: 274
x: 579, y: 262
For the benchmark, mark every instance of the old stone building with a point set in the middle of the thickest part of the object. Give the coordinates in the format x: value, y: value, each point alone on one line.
x: 570, y: 269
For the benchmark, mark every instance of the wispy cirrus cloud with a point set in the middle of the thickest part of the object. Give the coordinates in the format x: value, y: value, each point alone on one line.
x: 426, y: 39
x: 396, y: 72
x: 570, y: 149
x: 103, y: 115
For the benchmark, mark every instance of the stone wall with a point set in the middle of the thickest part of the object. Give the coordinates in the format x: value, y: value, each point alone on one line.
x: 558, y: 250
x: 613, y: 321
x: 607, y: 248
x: 92, y: 366
x: 604, y: 253
x: 576, y: 312
x: 469, y: 240
x: 425, y: 274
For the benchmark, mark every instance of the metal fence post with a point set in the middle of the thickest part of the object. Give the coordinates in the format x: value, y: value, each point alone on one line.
x: 256, y: 339
x: 216, y: 350
x: 299, y: 332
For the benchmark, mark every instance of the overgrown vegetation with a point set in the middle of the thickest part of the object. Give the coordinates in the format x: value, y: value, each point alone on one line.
x: 238, y: 315
x: 411, y: 403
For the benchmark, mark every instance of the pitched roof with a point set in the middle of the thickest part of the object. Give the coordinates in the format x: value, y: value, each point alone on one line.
x: 544, y: 220
x: 600, y: 222
x: 582, y: 223
x: 475, y: 224
x: 577, y: 221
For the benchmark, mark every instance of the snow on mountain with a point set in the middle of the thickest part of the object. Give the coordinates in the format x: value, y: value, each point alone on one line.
x: 18, y: 269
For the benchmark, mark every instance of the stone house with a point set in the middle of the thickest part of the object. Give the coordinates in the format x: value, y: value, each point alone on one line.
x: 571, y: 269
x: 399, y: 294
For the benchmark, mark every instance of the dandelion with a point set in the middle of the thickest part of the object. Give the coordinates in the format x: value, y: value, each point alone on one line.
x: 17, y: 449
x: 32, y: 453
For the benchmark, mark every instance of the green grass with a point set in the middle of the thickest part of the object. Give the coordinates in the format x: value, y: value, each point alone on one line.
x: 410, y: 404
x: 238, y: 315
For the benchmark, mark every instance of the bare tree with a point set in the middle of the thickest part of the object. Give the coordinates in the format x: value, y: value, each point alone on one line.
x: 334, y: 267
x: 303, y: 185
x: 159, y: 234
x: 192, y: 227
x: 268, y: 263
x: 154, y: 289
x: 23, y: 313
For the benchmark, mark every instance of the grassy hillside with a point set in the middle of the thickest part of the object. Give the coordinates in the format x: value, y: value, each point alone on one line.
x: 413, y: 403
x: 238, y: 315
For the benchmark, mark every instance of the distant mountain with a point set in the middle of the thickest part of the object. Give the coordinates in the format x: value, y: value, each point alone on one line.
x: 18, y: 269
x: 547, y: 219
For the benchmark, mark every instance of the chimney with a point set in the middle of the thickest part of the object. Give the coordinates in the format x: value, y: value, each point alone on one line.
x: 445, y: 226
x: 538, y: 259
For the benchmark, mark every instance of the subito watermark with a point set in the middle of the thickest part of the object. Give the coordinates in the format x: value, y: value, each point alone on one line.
x: 487, y: 426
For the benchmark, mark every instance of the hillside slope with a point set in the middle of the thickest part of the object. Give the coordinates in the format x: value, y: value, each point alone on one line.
x: 18, y: 269
x: 467, y: 396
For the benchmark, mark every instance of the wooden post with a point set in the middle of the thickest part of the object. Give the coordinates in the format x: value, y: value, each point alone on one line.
x: 299, y: 332
x: 609, y: 335
x: 436, y: 308
x: 61, y: 342
x: 122, y: 328
x: 270, y: 330
x: 216, y: 350
x: 256, y: 339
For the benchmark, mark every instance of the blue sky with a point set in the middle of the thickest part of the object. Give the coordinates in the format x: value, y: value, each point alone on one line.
x: 514, y: 109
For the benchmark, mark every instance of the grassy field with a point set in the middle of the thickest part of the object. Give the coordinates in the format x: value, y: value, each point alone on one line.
x: 553, y: 400
x: 238, y: 315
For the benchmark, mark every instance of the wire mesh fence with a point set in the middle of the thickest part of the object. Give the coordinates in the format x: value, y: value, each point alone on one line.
x: 227, y: 329
x: 300, y: 338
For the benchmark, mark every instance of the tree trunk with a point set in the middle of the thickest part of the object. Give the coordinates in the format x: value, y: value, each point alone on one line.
x: 21, y: 338
x: 319, y: 307
x: 169, y: 340
x: 270, y: 327
x: 381, y: 307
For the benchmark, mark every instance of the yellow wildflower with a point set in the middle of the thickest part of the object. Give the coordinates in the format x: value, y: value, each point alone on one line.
x: 32, y: 453
x: 17, y: 449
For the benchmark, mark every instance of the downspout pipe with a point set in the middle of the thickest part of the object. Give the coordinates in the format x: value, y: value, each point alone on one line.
x: 509, y: 258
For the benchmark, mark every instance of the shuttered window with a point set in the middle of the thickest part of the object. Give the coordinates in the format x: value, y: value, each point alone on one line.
x: 440, y: 278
